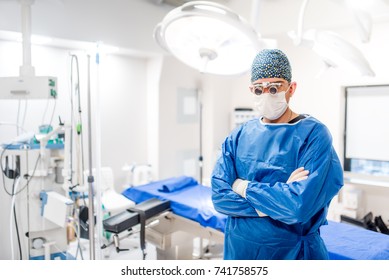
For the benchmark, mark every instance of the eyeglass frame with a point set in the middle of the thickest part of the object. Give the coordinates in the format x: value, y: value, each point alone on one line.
x: 265, y: 85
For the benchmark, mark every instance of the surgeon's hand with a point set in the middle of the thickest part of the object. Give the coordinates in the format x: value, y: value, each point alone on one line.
x: 239, y: 186
x: 298, y: 175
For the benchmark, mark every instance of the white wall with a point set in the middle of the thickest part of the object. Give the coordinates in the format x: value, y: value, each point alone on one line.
x: 122, y: 23
x: 177, y: 141
x: 217, y: 94
x: 123, y: 113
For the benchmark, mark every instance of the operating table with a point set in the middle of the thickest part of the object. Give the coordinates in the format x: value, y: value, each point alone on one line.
x: 188, y: 212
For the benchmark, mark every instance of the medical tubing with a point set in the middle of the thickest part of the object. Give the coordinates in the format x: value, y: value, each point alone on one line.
x: 17, y: 118
x: 18, y: 235
x: 24, y: 114
x: 11, y: 227
x: 45, y: 111
x: 26, y: 176
x: 18, y: 127
x: 71, y: 121
x: 30, y: 176
x: 52, y: 114
x: 2, y: 170
x: 17, y: 231
x: 12, y: 212
x: 78, y: 123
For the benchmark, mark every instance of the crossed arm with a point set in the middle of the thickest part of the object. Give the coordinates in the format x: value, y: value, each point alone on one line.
x: 308, y: 189
x: 240, y: 186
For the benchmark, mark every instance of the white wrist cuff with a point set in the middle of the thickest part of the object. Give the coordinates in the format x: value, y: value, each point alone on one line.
x: 260, y: 214
x: 240, y: 186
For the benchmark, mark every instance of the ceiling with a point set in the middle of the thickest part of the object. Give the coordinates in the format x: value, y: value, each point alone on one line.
x: 129, y: 24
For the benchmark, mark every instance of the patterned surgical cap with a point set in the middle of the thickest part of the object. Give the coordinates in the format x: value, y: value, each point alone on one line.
x: 271, y: 63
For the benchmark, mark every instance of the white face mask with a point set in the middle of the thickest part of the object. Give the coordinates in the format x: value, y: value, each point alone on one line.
x: 271, y: 106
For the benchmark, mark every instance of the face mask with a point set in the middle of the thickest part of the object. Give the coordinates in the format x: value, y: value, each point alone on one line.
x: 271, y: 106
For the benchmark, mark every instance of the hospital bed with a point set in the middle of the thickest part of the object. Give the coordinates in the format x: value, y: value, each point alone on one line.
x: 191, y: 215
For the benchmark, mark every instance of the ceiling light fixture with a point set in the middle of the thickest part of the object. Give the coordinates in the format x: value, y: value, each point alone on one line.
x: 334, y: 50
x: 209, y: 37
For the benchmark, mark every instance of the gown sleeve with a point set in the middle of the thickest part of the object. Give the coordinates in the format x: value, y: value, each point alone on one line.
x: 298, y: 202
x: 224, y: 199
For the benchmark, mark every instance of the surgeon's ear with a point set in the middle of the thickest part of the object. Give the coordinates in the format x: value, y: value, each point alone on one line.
x: 292, y: 88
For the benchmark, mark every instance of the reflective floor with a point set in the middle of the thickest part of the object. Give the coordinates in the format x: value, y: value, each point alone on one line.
x: 130, y: 250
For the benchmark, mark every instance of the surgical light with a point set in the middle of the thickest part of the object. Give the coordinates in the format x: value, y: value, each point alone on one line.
x: 208, y: 37
x: 337, y: 52
x: 334, y: 50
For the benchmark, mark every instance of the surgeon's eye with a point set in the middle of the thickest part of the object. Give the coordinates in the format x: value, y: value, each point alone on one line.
x: 273, y: 89
x: 258, y: 90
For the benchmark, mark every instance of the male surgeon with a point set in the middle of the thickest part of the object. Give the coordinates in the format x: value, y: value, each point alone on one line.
x: 277, y: 174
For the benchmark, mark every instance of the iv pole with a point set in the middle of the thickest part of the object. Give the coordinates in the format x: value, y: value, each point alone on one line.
x: 201, y: 139
x: 90, y: 176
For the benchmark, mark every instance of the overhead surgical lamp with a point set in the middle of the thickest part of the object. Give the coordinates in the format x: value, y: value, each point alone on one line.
x: 359, y: 11
x: 209, y: 37
x: 334, y: 50
x: 337, y: 52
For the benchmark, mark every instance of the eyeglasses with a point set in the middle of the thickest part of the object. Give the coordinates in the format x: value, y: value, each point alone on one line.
x: 258, y: 89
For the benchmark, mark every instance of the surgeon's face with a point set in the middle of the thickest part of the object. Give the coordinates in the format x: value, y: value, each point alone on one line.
x: 273, y: 86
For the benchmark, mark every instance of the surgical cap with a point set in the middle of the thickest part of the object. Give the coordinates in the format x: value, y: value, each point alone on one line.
x: 271, y: 63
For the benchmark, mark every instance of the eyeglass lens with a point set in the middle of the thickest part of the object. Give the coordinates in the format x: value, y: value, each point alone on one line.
x: 258, y: 90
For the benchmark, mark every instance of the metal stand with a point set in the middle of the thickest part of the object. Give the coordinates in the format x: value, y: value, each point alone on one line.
x: 91, y: 211
x: 201, y: 141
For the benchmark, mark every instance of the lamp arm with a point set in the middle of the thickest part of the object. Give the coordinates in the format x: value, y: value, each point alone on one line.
x: 364, y: 24
x: 300, y: 23
x: 255, y: 14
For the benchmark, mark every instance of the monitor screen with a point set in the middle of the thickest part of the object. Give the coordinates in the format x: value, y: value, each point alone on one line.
x: 366, y: 145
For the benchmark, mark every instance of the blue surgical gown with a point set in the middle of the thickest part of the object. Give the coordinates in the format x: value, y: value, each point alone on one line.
x: 266, y: 155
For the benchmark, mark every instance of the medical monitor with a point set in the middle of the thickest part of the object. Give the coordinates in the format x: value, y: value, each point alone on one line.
x: 366, y: 134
